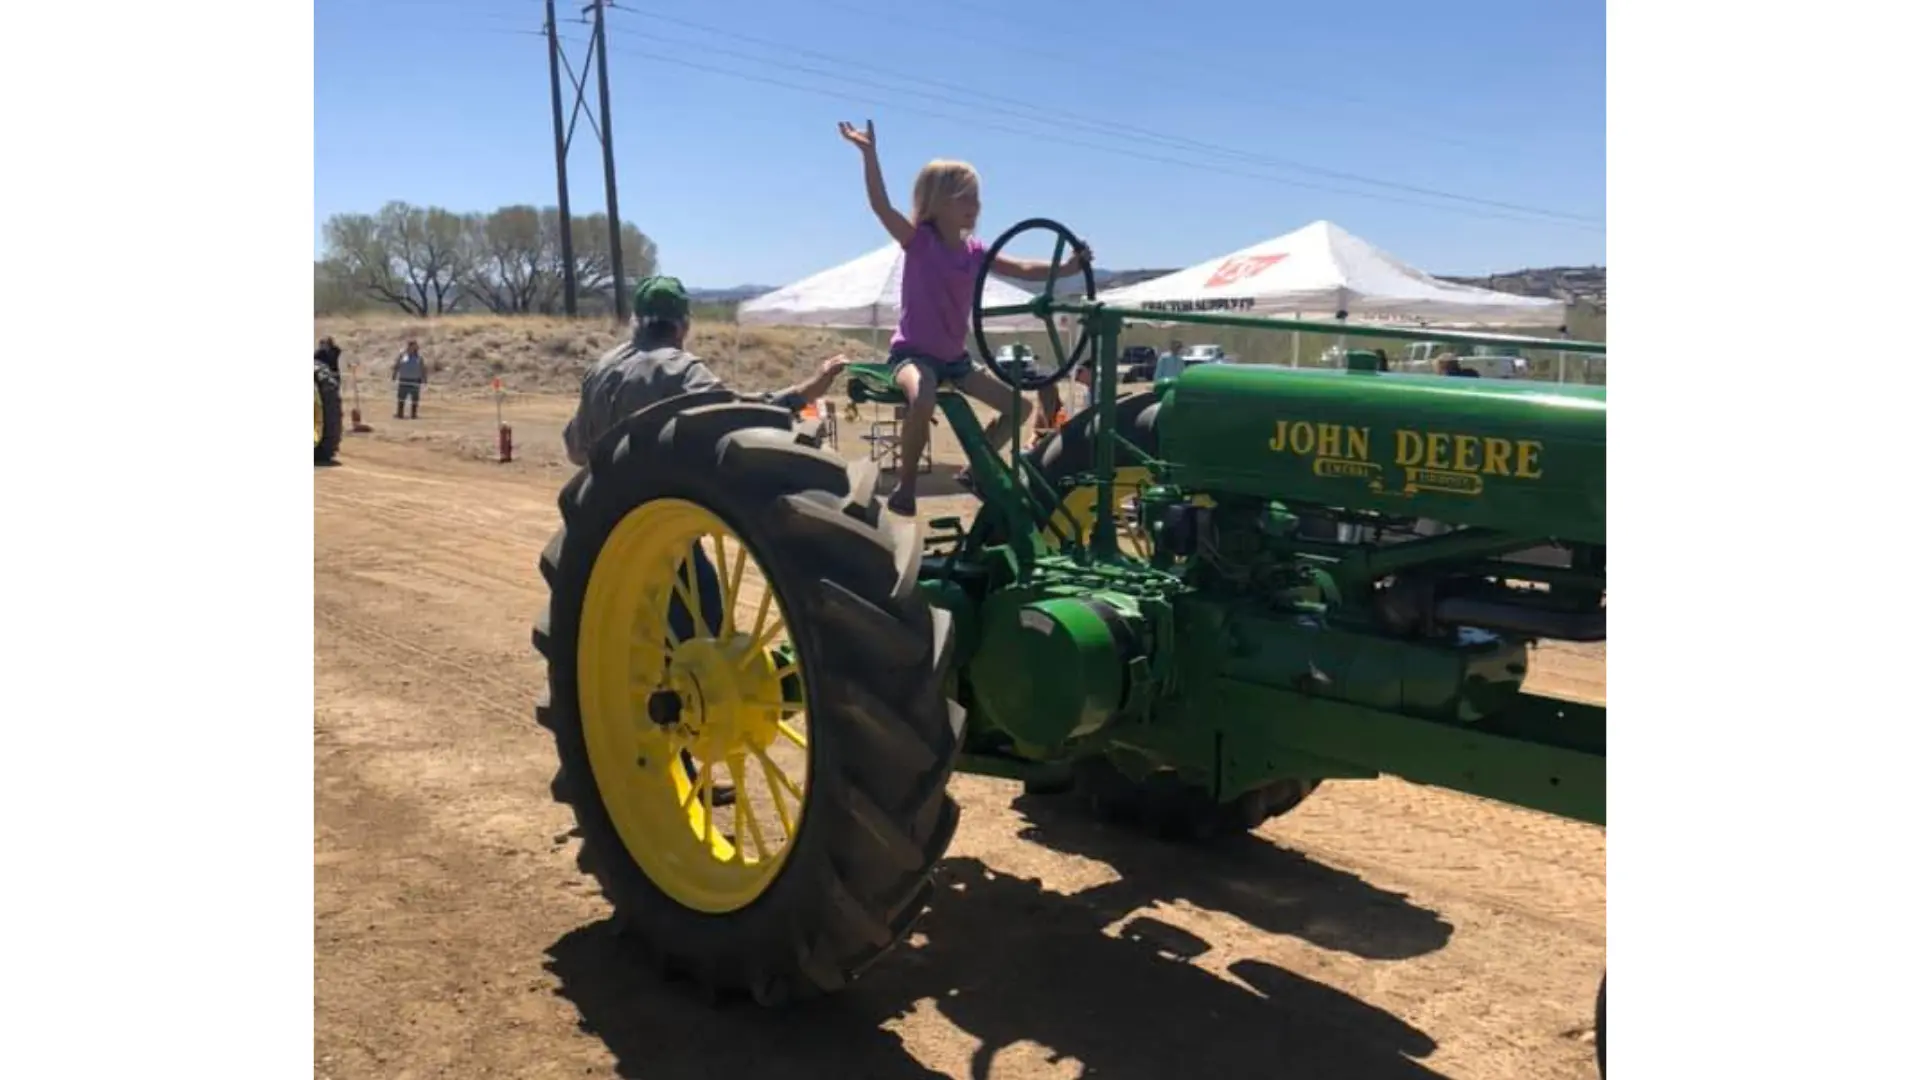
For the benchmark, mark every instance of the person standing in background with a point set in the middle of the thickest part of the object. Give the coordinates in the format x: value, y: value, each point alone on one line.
x: 410, y: 374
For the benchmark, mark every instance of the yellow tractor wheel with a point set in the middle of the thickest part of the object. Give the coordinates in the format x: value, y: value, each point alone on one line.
x: 745, y: 696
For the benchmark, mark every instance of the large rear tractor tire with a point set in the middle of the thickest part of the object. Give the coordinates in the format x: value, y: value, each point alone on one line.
x: 326, y: 414
x: 665, y: 684
x: 1161, y: 804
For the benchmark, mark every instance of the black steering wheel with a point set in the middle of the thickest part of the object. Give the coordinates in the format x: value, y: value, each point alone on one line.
x: 1025, y: 377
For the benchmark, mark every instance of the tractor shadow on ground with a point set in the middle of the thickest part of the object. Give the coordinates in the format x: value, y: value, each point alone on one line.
x: 1006, y: 963
x: 1267, y: 887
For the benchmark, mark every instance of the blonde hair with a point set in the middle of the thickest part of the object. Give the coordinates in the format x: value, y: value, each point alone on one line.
x: 939, y: 183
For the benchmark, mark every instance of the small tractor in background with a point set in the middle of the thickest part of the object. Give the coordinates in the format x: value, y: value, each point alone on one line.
x: 1194, y: 605
x: 327, y: 415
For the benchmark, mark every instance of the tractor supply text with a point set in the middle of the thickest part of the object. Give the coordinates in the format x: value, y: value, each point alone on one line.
x: 1439, y: 451
x: 1235, y: 303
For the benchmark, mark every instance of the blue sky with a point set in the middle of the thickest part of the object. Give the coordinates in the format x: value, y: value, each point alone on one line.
x: 737, y: 173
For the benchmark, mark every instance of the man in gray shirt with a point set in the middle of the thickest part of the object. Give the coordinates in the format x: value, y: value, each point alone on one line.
x: 410, y: 373
x: 653, y: 366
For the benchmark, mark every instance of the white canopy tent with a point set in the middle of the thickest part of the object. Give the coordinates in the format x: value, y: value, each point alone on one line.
x: 864, y: 293
x: 1321, y: 270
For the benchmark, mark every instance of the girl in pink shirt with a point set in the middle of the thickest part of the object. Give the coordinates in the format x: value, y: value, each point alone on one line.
x: 943, y: 259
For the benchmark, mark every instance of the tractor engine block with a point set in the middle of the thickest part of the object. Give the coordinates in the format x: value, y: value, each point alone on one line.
x: 1053, y: 668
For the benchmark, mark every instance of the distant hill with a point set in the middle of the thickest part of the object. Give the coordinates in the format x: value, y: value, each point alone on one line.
x: 1586, y: 284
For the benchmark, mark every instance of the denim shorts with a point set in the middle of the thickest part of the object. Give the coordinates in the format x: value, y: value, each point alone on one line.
x: 947, y: 371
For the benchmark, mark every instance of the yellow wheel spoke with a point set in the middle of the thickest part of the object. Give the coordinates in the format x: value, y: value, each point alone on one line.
x: 779, y: 805
x: 690, y: 600
x: 760, y: 614
x: 799, y: 740
x: 726, y: 594
x: 743, y: 807
x: 732, y: 590
x: 761, y: 639
x: 706, y: 804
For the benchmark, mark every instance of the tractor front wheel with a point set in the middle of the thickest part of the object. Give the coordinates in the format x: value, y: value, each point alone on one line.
x: 726, y: 608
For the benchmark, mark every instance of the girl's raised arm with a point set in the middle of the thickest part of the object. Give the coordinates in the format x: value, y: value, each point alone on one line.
x: 896, y: 223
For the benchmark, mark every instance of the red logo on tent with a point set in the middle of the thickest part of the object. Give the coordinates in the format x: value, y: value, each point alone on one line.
x: 1241, y: 269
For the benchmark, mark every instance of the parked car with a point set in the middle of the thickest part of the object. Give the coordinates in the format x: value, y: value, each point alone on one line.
x: 1205, y: 354
x: 1138, y: 362
x: 1015, y: 358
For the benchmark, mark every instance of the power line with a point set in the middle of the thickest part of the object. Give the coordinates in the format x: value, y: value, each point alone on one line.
x: 1046, y: 116
x: 1052, y: 117
x: 1159, y: 46
x: 1055, y: 116
x: 1057, y: 140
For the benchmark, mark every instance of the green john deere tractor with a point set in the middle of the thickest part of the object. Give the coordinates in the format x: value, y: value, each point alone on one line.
x: 1193, y: 605
x: 326, y: 414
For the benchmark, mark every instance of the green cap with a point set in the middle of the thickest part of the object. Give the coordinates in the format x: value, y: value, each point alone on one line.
x: 661, y: 298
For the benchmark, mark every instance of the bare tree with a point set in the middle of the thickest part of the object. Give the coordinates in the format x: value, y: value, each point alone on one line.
x: 426, y: 243
x: 508, y: 259
x: 593, y: 254
x: 428, y: 260
x: 360, y: 252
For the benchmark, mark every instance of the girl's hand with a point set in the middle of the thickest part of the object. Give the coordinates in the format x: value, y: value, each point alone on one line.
x: 1082, y: 257
x: 861, y: 139
x: 835, y: 364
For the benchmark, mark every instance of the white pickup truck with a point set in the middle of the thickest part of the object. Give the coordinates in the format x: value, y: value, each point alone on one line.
x: 1423, y: 357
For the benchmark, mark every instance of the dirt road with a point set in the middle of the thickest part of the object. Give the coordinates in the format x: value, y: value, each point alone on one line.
x: 1382, y: 930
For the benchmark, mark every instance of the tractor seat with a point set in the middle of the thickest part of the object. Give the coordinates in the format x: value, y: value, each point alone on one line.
x: 874, y: 382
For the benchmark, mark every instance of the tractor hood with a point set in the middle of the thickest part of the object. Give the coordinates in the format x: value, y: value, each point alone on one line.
x: 1519, y: 456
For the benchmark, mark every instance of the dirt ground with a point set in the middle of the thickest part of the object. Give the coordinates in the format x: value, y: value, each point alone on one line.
x: 1381, y: 930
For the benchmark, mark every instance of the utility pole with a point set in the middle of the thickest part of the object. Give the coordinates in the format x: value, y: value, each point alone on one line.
x: 560, y: 166
x: 606, y: 154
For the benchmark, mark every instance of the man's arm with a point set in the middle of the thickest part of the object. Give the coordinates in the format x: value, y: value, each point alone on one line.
x: 795, y: 397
